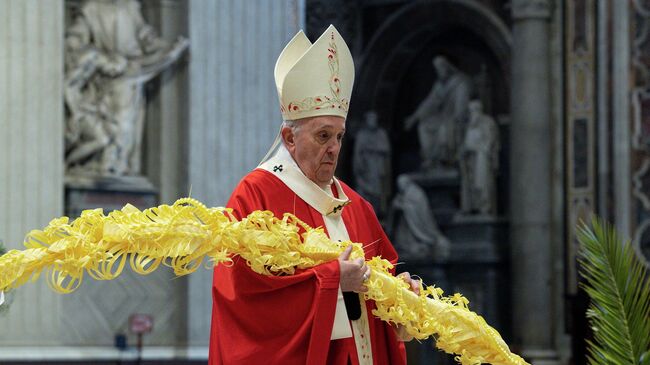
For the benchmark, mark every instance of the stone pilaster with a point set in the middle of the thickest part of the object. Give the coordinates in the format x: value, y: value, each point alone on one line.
x: 621, y: 169
x: 167, y: 122
x: 233, y: 113
x: 530, y: 198
x: 31, y: 154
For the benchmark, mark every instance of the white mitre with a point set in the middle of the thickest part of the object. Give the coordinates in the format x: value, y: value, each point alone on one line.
x: 315, y: 79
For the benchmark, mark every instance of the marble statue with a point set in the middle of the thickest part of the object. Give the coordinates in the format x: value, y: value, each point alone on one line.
x: 371, y: 162
x: 441, y: 115
x: 479, y: 162
x: 412, y: 225
x: 111, y: 53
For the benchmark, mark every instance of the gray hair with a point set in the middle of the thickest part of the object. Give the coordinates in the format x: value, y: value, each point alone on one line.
x: 293, y: 124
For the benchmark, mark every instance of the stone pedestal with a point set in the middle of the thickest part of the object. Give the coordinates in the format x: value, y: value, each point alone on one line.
x: 443, y: 189
x: 104, y: 307
x: 109, y: 194
x: 476, y: 268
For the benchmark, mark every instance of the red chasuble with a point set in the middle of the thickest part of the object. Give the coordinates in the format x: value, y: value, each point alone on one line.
x: 259, y: 319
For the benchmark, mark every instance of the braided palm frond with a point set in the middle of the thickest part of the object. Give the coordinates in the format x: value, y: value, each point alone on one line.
x: 617, y: 282
x: 181, y: 236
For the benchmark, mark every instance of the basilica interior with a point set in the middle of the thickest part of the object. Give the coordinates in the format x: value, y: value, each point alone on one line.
x: 482, y: 132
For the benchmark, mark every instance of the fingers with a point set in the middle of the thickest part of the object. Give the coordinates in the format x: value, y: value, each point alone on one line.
x: 405, y: 276
x: 346, y: 254
x: 366, y: 272
x: 354, y: 274
x: 414, y: 284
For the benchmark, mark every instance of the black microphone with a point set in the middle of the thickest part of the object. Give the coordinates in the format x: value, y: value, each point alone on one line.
x: 352, y: 305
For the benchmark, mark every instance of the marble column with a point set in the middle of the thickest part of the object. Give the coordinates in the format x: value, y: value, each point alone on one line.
x: 233, y: 113
x: 167, y: 122
x: 31, y: 155
x: 530, y: 195
x: 620, y: 90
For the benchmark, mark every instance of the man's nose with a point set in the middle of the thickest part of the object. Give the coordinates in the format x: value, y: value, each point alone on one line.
x: 334, y: 147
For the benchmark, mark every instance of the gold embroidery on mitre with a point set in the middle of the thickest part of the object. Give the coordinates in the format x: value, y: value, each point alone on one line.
x: 323, y: 102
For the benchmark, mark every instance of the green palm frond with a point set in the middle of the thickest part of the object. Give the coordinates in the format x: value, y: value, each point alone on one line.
x: 617, y: 283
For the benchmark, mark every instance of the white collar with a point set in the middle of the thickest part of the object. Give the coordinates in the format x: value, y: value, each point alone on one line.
x: 286, y: 169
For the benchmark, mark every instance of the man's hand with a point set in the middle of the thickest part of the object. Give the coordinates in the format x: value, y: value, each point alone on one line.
x: 414, y: 284
x: 402, y: 335
x: 353, y: 273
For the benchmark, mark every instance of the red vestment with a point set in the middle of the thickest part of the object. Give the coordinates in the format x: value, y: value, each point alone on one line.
x: 259, y: 319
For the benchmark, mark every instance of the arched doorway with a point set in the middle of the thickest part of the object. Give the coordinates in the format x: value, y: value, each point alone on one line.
x: 394, y: 73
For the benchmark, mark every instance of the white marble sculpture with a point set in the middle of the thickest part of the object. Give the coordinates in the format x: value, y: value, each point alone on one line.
x: 111, y: 53
x: 371, y: 161
x: 412, y: 225
x: 479, y: 162
x: 441, y: 115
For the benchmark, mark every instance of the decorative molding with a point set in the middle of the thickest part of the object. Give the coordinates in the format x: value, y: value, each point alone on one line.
x: 580, y: 210
x: 100, y: 309
x: 641, y: 120
x: 105, y: 353
x: 641, y: 180
x: 641, y: 242
x: 639, y: 106
x: 580, y: 125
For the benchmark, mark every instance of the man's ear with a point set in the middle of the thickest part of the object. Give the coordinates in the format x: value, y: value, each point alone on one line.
x: 289, y: 138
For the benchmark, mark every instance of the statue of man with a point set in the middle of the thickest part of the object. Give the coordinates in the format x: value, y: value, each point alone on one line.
x: 412, y: 226
x: 105, y: 78
x: 441, y: 115
x: 86, y: 132
x: 371, y: 161
x: 479, y: 162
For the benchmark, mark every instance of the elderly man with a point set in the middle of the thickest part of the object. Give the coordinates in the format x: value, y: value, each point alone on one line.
x: 317, y: 315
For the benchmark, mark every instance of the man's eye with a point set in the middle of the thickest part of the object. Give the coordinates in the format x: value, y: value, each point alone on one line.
x: 324, y: 135
x: 339, y: 137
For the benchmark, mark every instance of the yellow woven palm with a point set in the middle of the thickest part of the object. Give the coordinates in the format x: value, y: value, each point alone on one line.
x: 181, y: 236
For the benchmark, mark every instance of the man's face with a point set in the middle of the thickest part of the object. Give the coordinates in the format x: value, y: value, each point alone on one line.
x: 315, y: 146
